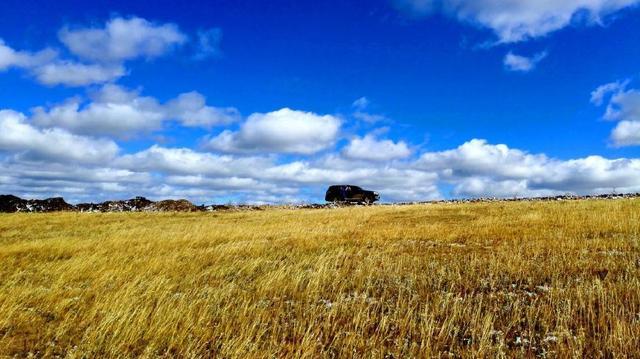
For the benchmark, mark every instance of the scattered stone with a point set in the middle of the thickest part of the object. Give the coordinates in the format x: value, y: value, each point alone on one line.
x: 136, y: 204
x: 567, y: 197
x: 543, y: 288
x: 181, y: 205
x: 217, y: 207
x: 327, y: 303
x: 10, y: 204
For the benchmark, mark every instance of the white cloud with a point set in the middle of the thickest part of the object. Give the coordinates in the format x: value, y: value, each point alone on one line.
x: 192, y: 111
x: 19, y: 137
x: 592, y: 174
x: 626, y: 133
x: 370, y: 118
x: 478, y: 158
x: 488, y: 187
x: 518, y: 20
x: 623, y: 106
x: 478, y: 168
x: 119, y: 112
x: 77, y: 182
x: 48, y: 69
x: 102, y: 51
x: 184, y: 161
x: 76, y: 74
x: 370, y: 148
x: 282, y: 131
x: 227, y: 183
x: 9, y: 57
x: 598, y: 95
x: 361, y: 103
x: 22, y: 59
x: 513, y: 62
x: 209, y: 43
x: 114, y: 111
x: 122, y: 39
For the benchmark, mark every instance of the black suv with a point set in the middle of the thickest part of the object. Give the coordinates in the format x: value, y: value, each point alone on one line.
x: 348, y: 193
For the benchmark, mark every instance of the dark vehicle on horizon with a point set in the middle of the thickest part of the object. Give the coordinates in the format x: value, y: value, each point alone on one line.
x: 349, y: 193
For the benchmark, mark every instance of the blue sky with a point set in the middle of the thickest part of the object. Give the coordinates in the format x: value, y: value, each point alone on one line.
x: 256, y: 101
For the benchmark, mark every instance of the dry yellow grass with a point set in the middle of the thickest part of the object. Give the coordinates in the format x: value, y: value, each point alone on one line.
x: 490, y: 280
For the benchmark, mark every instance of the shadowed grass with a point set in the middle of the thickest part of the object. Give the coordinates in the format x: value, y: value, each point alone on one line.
x: 498, y: 279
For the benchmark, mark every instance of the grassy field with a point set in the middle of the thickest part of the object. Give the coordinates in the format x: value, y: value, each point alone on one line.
x: 559, y: 279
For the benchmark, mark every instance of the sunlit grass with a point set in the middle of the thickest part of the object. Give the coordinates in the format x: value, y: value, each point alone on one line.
x: 555, y: 278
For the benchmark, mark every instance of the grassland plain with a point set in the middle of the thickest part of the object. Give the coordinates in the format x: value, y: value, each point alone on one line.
x: 557, y: 279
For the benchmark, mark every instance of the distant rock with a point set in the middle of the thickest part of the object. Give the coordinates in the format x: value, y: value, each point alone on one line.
x: 136, y: 204
x: 141, y: 204
x: 10, y: 204
x: 51, y: 204
x: 181, y: 205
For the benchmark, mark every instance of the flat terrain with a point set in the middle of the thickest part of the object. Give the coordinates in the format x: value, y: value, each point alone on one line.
x: 559, y: 279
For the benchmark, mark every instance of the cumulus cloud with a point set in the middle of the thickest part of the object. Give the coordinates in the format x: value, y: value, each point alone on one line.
x: 479, y: 158
x: 77, y: 182
x: 122, y: 39
x: 370, y: 148
x: 192, y: 111
x: 282, y: 131
x: 489, y: 187
x: 185, y: 161
x: 518, y: 20
x: 54, y: 161
x: 10, y: 58
x: 19, y: 137
x: 623, y: 106
x: 48, y: 69
x: 113, y: 111
x: 592, y: 174
x: 477, y: 167
x: 117, y: 111
x: 101, y: 51
x: 76, y: 74
x: 598, y: 95
x: 517, y: 63
x: 626, y: 133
